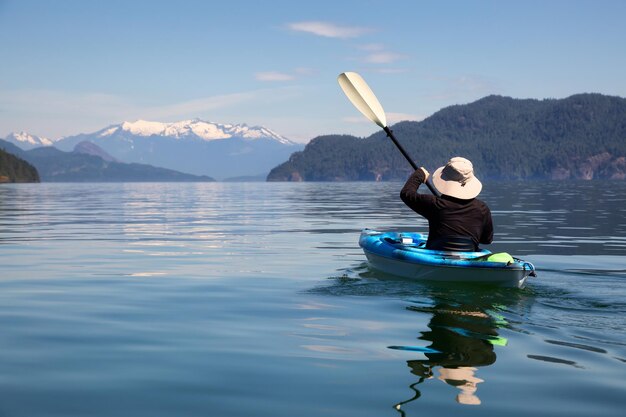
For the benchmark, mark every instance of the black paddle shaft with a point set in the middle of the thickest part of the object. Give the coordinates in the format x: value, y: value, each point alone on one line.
x: 429, y: 184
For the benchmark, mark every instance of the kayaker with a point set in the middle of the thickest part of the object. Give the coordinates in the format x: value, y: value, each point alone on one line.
x: 457, y: 220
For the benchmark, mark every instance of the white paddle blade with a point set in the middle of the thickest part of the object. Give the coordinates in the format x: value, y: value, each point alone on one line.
x: 359, y: 93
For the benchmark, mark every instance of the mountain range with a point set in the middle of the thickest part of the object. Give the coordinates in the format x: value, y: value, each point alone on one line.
x: 192, y: 146
x: 86, y: 163
x: 579, y: 137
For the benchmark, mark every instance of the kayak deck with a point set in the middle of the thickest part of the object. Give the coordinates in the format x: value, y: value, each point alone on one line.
x: 404, y: 254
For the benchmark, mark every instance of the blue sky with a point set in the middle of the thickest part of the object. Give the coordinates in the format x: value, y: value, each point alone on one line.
x: 71, y: 67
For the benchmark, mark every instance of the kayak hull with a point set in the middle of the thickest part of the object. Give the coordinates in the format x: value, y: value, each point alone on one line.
x: 403, y: 254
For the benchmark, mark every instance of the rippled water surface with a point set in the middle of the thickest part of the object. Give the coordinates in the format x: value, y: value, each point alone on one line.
x: 254, y: 299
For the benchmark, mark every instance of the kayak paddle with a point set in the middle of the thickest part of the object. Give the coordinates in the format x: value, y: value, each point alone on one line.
x: 362, y: 97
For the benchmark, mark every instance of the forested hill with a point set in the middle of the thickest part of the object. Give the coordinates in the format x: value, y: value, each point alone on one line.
x: 579, y: 137
x: 14, y: 169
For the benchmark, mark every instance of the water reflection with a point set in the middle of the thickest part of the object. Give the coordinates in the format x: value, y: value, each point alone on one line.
x: 462, y: 331
x: 461, y: 336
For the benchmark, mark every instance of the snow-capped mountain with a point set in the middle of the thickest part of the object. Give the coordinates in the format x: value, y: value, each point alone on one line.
x: 195, y: 128
x: 192, y: 146
x: 26, y: 141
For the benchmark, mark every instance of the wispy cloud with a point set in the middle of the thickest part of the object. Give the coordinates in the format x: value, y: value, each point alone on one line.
x: 304, y: 71
x: 57, y: 113
x: 284, y: 76
x: 61, y: 102
x: 328, y: 30
x: 372, y: 47
x: 389, y: 70
x: 377, y: 53
x: 273, y: 76
x: 383, y: 57
x: 199, y: 106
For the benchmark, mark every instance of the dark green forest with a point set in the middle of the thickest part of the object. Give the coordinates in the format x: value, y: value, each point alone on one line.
x: 579, y: 137
x: 14, y: 169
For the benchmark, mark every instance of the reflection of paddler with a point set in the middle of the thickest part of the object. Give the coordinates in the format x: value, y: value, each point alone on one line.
x: 461, y: 339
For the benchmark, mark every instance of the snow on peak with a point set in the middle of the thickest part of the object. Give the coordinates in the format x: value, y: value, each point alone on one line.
x: 193, y: 128
x: 109, y: 131
x: 28, y: 140
x: 144, y: 128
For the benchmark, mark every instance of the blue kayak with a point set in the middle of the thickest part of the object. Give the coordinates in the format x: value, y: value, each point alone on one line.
x: 405, y: 254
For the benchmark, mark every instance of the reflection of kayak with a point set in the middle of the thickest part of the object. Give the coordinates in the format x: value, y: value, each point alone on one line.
x: 404, y: 254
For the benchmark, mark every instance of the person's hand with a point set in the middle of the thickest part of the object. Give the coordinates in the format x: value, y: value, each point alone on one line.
x: 426, y: 174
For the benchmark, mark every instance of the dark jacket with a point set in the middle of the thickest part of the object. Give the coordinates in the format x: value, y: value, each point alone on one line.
x: 448, y: 217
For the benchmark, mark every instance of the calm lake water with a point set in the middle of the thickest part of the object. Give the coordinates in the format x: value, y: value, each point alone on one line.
x: 254, y: 299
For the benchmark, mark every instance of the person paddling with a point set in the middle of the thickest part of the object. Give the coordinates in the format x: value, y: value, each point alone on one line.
x: 457, y: 221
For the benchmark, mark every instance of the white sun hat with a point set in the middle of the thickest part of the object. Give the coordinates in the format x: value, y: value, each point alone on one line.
x: 457, y: 179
